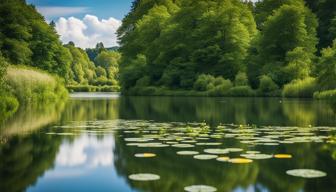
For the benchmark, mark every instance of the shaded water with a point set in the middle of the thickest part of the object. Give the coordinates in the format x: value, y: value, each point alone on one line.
x: 80, y: 145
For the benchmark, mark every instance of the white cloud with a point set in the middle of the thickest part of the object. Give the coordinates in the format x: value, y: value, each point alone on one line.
x: 51, y: 12
x: 89, y: 31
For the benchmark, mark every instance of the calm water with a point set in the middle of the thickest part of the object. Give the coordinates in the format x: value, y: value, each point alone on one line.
x: 82, y: 145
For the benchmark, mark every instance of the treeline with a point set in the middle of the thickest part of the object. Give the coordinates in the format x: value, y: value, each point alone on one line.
x: 229, y: 47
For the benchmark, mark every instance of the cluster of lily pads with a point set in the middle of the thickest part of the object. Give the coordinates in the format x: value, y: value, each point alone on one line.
x: 186, y: 136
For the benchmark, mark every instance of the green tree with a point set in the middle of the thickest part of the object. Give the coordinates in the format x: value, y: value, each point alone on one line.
x: 25, y: 38
x: 290, y: 26
x: 327, y: 66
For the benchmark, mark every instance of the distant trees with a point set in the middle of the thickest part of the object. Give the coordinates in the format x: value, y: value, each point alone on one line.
x: 102, y: 70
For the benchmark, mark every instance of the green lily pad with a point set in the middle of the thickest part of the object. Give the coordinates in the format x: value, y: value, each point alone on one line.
x: 200, y: 188
x: 216, y: 151
x: 257, y: 156
x: 144, y: 177
x: 306, y: 173
x: 205, y: 157
x: 187, y: 152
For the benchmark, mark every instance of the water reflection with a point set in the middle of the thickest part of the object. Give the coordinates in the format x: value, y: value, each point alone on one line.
x: 31, y: 160
x: 260, y: 111
x: 86, y: 151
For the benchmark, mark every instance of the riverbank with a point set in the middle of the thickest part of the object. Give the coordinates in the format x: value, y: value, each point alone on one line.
x: 29, y: 86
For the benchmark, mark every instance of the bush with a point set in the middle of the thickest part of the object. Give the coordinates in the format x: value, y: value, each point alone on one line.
x: 300, y: 88
x: 328, y: 95
x: 204, y: 82
x: 222, y: 89
x: 241, y: 79
x: 241, y: 91
x: 267, y: 87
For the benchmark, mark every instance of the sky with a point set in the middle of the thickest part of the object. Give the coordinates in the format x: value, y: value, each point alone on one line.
x: 85, y: 22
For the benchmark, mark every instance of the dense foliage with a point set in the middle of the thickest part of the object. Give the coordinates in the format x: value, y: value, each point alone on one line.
x: 188, y: 44
x: 25, y: 38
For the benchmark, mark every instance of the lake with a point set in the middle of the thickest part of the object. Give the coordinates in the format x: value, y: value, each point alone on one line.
x: 102, y: 142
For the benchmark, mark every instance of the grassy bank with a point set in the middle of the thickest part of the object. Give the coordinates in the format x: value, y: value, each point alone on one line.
x: 28, y: 86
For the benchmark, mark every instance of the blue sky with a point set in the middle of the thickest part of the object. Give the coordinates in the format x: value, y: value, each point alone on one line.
x: 100, y: 8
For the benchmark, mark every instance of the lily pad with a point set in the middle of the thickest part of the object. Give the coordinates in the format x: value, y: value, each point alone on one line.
x: 187, y: 152
x: 183, y: 145
x: 306, y: 173
x: 200, y: 188
x: 257, y: 156
x: 240, y: 160
x: 205, y: 157
x: 282, y: 156
x: 223, y: 159
x: 216, y: 151
x: 234, y: 149
x: 144, y: 177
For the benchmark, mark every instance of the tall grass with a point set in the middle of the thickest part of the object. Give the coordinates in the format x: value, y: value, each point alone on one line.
x: 300, y: 88
x: 30, y: 85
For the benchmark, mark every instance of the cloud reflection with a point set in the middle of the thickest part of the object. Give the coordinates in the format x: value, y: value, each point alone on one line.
x: 86, y: 151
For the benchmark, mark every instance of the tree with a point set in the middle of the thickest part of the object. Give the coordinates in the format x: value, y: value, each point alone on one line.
x: 109, y: 60
x: 326, y: 12
x: 27, y: 39
x: 327, y: 66
x: 92, y: 53
x: 82, y: 69
x: 289, y: 27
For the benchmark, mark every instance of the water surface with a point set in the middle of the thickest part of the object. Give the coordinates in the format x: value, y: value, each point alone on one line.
x: 81, y: 145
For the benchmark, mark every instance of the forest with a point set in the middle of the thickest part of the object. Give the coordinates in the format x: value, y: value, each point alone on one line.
x: 229, y: 48
x: 234, y: 48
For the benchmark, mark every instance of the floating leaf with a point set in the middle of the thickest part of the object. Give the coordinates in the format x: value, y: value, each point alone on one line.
x: 216, y: 151
x: 200, y: 188
x: 183, y: 145
x: 144, y: 177
x: 223, y: 159
x: 205, y: 157
x: 257, y: 156
x: 187, y: 152
x: 306, y: 173
x: 283, y: 156
x: 240, y: 160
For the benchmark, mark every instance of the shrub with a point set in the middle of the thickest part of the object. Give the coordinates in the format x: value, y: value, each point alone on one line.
x: 300, y: 88
x: 241, y: 79
x: 328, y: 95
x: 267, y: 86
x: 241, y: 91
x: 222, y: 89
x: 203, y: 82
